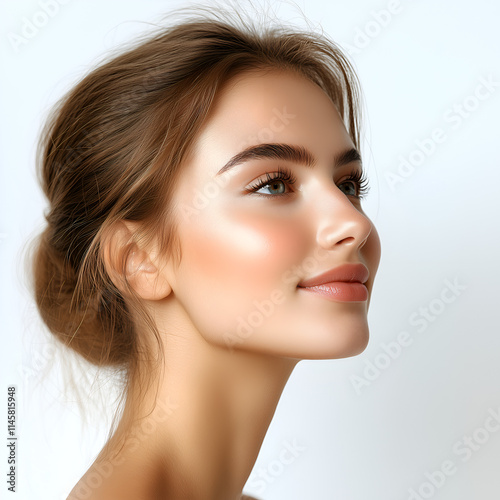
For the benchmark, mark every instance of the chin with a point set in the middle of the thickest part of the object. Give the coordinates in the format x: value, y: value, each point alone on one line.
x: 359, y: 346
x: 322, y: 343
x: 343, y: 342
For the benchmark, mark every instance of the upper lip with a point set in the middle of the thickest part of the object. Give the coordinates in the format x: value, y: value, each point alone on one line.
x: 346, y: 272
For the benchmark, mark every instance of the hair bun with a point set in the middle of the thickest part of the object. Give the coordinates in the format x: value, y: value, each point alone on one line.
x: 78, y: 315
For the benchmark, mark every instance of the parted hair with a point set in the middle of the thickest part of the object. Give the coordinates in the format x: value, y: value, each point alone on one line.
x: 113, y: 147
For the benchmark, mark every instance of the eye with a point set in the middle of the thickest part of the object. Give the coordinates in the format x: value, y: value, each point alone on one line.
x: 349, y: 188
x: 274, y: 184
x: 356, y: 184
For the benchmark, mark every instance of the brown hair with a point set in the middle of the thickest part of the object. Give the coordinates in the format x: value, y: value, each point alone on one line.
x: 113, y: 148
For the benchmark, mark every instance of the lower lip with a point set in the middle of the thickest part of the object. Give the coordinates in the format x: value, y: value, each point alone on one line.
x: 340, y: 291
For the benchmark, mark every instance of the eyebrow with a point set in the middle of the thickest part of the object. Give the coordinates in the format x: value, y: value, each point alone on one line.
x: 288, y: 152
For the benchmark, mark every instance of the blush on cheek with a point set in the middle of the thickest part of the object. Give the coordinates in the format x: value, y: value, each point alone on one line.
x: 252, y: 251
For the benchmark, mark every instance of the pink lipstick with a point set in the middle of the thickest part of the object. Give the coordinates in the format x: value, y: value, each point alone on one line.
x: 345, y: 283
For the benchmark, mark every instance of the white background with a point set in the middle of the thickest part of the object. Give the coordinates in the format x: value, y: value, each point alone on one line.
x: 439, y: 225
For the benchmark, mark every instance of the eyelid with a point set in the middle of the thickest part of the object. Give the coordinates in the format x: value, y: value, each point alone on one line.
x: 356, y: 176
x: 360, y: 179
x: 283, y: 174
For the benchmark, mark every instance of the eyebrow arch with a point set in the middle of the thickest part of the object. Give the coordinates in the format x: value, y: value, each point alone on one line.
x: 296, y: 154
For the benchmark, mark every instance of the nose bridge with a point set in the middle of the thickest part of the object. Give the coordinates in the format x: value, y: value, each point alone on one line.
x: 340, y: 223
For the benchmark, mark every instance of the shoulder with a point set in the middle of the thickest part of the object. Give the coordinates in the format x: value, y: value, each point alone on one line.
x: 246, y: 497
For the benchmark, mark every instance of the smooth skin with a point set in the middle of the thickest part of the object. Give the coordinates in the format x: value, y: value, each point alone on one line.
x: 233, y: 322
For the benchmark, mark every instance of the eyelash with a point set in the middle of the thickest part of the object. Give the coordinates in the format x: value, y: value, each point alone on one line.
x: 361, y: 181
x: 285, y: 175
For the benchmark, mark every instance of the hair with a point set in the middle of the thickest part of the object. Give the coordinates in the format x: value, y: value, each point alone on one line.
x: 113, y: 148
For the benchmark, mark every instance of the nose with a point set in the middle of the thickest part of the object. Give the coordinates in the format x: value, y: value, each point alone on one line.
x: 341, y: 224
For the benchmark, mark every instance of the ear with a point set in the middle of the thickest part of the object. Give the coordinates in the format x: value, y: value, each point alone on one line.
x: 126, y: 261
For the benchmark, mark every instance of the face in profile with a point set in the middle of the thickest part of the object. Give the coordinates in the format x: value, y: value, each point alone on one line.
x: 258, y: 229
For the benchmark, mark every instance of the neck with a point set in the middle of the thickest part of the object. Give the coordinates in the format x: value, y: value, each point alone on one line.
x: 210, y: 414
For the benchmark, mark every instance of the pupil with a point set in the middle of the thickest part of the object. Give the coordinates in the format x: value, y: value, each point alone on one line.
x: 277, y: 186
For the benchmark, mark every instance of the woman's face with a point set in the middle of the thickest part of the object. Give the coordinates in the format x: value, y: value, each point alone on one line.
x: 247, y: 245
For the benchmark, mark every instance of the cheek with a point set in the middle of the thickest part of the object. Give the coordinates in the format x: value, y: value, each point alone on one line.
x: 228, y: 262
x: 241, y: 248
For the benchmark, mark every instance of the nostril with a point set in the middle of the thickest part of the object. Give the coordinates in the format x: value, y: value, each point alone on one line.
x: 344, y: 230
x: 347, y: 241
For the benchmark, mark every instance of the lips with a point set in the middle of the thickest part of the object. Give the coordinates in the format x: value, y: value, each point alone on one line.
x: 349, y: 273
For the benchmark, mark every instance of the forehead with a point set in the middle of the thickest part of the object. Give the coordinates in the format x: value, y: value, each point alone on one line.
x: 266, y: 106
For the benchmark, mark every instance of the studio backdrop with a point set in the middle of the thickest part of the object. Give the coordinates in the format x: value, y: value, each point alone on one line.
x: 417, y: 414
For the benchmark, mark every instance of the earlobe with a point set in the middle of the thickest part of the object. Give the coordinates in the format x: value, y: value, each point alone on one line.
x: 130, y: 266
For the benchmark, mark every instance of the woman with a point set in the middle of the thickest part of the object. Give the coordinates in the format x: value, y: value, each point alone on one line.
x: 204, y: 234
